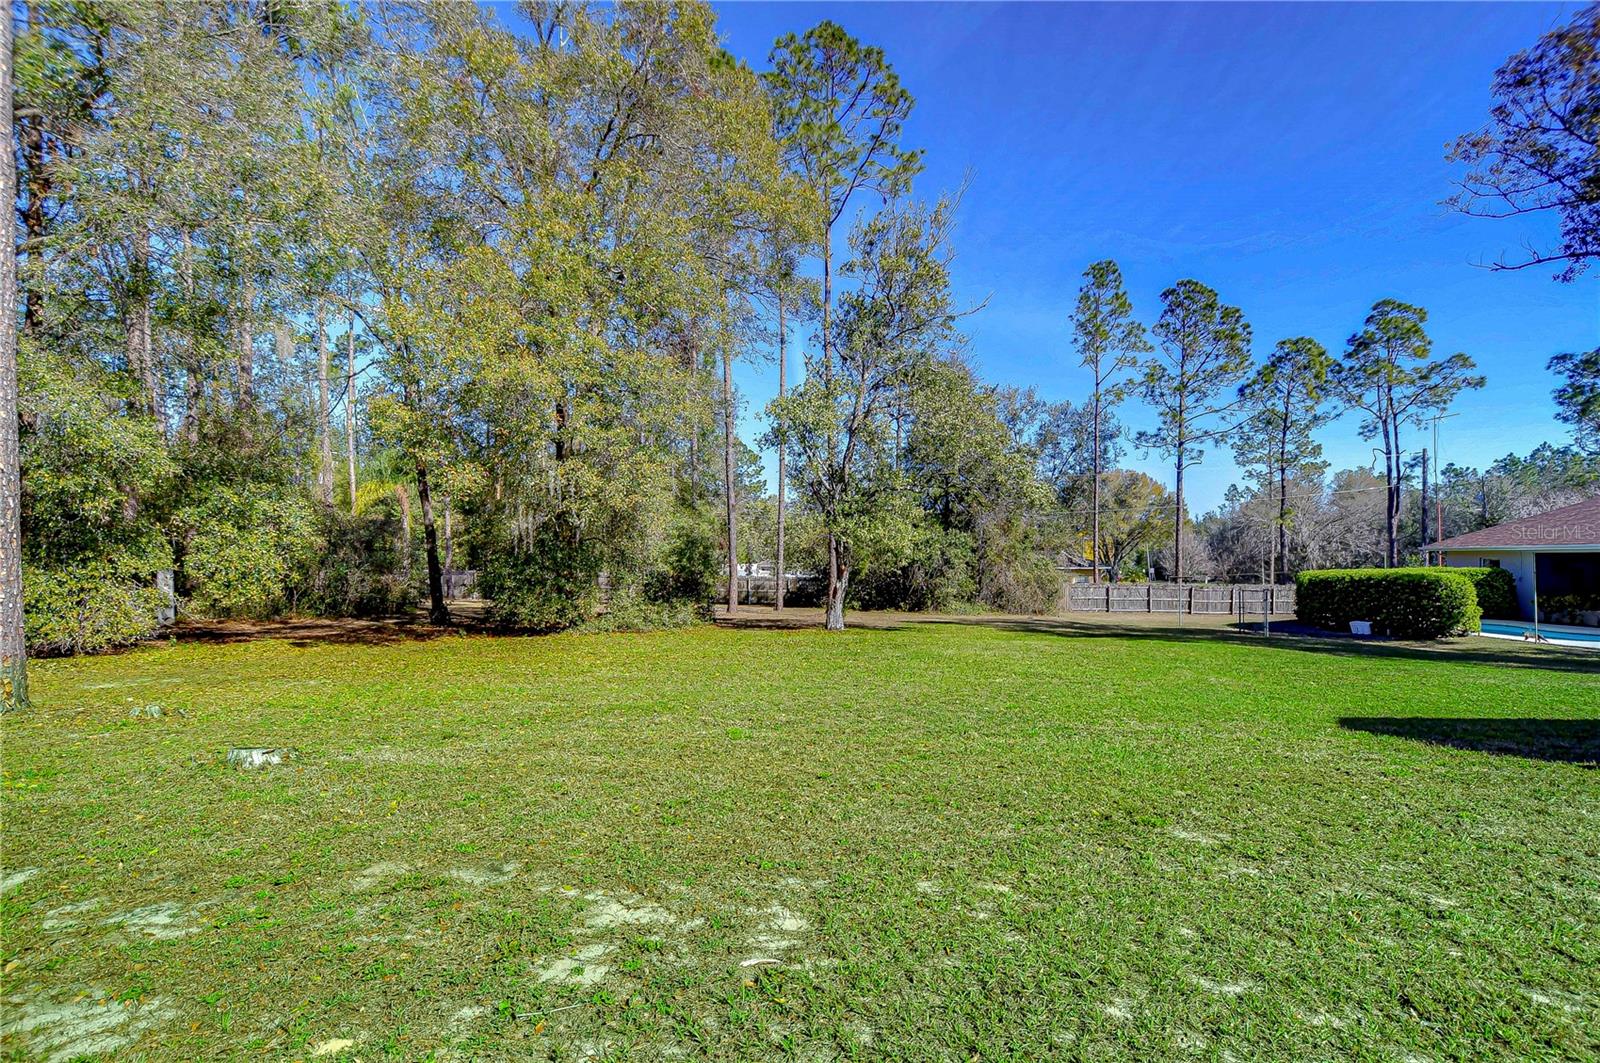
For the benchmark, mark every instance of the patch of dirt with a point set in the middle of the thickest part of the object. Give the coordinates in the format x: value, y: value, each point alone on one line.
x: 492, y: 875
x: 1223, y: 989
x: 66, y: 916
x: 163, y: 921
x: 61, y: 1032
x: 580, y: 967
x: 12, y: 879
x: 777, y: 933
x: 1193, y: 836
x: 310, y: 631
x: 378, y: 873
x: 332, y: 1047
x: 606, y: 912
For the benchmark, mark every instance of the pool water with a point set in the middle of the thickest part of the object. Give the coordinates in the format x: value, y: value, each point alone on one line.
x: 1520, y: 628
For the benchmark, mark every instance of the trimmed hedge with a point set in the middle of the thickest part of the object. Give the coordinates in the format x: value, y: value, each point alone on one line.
x: 1497, y: 591
x: 1408, y: 603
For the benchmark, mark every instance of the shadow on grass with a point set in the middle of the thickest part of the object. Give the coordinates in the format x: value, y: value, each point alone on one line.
x: 305, y: 633
x: 1291, y: 635
x: 1565, y: 741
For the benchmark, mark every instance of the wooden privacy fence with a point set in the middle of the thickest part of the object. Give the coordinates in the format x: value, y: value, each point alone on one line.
x: 1219, y: 599
x: 762, y: 590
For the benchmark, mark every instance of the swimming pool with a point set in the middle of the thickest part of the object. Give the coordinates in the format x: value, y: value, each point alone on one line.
x: 1555, y: 633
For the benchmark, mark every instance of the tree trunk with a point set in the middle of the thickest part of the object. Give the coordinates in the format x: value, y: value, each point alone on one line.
x: 324, y: 432
x: 1177, y: 521
x: 141, y: 356
x: 838, y: 581
x: 404, y: 499
x: 1094, y: 542
x: 834, y: 619
x: 783, y: 361
x: 13, y: 641
x: 730, y: 489
x: 1280, y: 549
x: 283, y: 345
x: 827, y: 308
x: 194, y: 383
x: 449, y: 541
x: 33, y: 220
x: 1388, y: 495
x: 247, y: 350
x: 1399, y: 497
x: 1283, y: 519
x: 350, y: 406
x: 437, y: 613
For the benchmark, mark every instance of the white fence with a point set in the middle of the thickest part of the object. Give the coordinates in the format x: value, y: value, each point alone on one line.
x: 1214, y: 599
x: 460, y: 583
x: 762, y: 589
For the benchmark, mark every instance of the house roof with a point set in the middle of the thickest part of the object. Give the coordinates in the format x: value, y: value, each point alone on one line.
x: 1577, y: 525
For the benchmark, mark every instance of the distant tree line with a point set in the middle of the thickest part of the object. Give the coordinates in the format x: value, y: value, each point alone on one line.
x: 312, y: 303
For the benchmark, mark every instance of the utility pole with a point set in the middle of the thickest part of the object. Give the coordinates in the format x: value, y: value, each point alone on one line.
x: 1438, y: 502
x: 1425, y: 540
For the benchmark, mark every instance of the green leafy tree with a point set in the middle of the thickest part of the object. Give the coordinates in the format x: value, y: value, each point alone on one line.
x: 1137, y: 518
x: 1109, y: 341
x: 1578, y: 396
x: 893, y: 328
x: 1389, y: 373
x: 838, y: 110
x: 1285, y: 402
x: 1540, y: 151
x: 1202, y: 351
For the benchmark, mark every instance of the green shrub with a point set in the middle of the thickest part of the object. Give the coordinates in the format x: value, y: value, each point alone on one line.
x: 88, y: 608
x: 548, y: 583
x: 361, y: 569
x: 1417, y: 603
x: 1029, y: 583
x: 630, y: 610
x: 690, y: 569
x: 935, y: 574
x: 1496, y: 589
x: 245, y: 549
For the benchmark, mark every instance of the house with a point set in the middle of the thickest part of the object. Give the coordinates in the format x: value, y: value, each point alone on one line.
x: 1555, y: 554
x: 1074, y: 568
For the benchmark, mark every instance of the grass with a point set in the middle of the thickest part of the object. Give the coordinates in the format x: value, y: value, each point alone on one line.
x: 962, y: 841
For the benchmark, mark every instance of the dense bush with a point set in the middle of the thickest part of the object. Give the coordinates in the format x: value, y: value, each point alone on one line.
x: 1402, y: 602
x: 629, y: 610
x: 1028, y: 582
x: 363, y: 568
x: 91, y: 550
x: 548, y: 582
x: 935, y: 576
x: 690, y: 568
x: 90, y: 607
x: 246, y: 548
x: 1496, y: 589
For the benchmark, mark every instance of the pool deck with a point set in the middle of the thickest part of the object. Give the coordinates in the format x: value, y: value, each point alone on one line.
x: 1588, y: 637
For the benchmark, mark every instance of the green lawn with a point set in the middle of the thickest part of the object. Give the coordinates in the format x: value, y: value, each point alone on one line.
x: 929, y: 841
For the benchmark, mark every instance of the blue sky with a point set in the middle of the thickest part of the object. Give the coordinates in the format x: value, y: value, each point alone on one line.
x: 1291, y: 156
